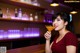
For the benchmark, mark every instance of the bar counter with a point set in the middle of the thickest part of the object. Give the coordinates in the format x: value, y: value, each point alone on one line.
x: 30, y: 49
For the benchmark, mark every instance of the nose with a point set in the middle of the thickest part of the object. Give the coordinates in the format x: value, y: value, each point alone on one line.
x: 54, y: 23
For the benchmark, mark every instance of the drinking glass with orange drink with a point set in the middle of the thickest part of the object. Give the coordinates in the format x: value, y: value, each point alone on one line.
x: 49, y: 27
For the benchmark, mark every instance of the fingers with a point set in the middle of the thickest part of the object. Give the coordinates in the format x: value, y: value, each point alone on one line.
x: 47, y: 35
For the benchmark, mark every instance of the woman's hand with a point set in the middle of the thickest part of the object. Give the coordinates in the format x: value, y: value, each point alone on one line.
x: 47, y: 35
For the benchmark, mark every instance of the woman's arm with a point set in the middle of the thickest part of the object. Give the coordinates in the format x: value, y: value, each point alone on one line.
x: 71, y: 49
x: 71, y: 43
x: 47, y: 45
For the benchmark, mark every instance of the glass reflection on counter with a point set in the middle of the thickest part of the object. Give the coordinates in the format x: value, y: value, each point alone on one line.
x: 16, y: 33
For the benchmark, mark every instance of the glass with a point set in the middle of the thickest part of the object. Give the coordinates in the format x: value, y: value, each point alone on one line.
x: 3, y: 49
x: 49, y: 27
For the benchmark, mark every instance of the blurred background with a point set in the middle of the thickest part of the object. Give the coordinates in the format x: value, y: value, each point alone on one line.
x: 22, y: 22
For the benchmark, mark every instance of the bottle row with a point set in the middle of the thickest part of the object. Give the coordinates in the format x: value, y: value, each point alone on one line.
x: 18, y: 14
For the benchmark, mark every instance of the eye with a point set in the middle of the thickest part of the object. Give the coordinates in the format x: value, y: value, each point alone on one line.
x: 58, y: 19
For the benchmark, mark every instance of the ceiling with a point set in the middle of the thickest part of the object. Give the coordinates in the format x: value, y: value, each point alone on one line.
x: 74, y: 4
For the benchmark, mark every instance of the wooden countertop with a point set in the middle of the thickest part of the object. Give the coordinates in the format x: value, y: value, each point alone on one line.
x: 30, y: 49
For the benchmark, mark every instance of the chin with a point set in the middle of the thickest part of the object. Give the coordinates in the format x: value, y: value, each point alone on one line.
x: 56, y: 30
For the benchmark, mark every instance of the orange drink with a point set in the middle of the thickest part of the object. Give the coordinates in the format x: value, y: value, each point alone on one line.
x: 49, y: 27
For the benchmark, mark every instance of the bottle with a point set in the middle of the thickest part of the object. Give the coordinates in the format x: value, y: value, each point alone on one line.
x: 36, y: 17
x: 35, y: 3
x: 25, y: 16
x: 1, y: 13
x: 26, y: 1
x: 8, y: 13
x: 16, y: 12
x: 31, y: 18
x: 22, y: 0
x: 29, y: 1
x: 20, y: 13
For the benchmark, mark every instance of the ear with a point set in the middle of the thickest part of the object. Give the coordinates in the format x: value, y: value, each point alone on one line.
x: 66, y: 23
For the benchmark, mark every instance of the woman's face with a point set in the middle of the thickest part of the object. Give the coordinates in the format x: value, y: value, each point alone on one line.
x: 59, y: 24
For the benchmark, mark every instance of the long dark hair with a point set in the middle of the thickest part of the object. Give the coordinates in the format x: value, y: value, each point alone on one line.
x: 66, y: 17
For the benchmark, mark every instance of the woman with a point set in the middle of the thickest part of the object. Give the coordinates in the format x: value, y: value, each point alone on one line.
x: 66, y: 41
